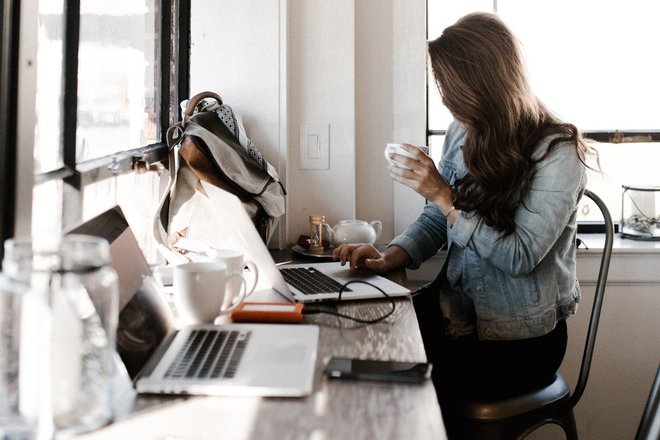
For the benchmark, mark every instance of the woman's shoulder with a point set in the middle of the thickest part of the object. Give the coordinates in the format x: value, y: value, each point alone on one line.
x: 454, y: 137
x: 558, y: 142
x: 556, y: 152
x: 455, y: 130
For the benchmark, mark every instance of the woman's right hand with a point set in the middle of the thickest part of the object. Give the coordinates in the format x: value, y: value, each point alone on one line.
x: 360, y: 256
x: 423, y: 177
x: 365, y: 256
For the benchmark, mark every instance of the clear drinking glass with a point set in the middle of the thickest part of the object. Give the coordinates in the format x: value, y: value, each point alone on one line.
x: 68, y: 324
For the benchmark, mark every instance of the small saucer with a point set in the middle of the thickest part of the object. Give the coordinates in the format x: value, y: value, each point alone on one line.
x: 327, y: 253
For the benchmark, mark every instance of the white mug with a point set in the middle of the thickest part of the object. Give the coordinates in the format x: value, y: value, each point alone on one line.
x: 398, y: 149
x: 200, y: 291
x: 235, y: 263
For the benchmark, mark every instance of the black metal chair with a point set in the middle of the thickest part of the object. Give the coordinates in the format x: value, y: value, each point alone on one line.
x: 516, y: 417
x: 649, y: 425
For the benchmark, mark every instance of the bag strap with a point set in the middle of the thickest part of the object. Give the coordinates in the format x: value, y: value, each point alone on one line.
x: 159, y: 227
x: 192, y: 103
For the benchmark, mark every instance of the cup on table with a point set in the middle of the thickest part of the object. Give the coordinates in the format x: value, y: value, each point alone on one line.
x: 236, y: 263
x: 398, y: 149
x: 201, y: 289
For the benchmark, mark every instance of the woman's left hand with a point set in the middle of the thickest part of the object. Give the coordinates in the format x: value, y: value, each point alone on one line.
x: 423, y: 177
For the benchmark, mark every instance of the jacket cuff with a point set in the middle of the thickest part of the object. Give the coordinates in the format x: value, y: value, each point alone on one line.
x: 410, y: 246
x: 463, y: 229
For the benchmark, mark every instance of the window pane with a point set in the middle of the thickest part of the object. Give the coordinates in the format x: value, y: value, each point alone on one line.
x: 47, y: 208
x: 599, y: 71
x: 117, y: 77
x: 435, y: 147
x: 138, y: 196
x: 623, y: 164
x: 48, y: 149
x: 592, y: 62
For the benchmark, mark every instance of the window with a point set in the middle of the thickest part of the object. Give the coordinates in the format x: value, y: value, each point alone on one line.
x: 592, y: 63
x: 107, y: 88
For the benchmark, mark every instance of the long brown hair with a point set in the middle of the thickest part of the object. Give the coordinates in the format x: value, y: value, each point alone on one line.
x: 481, y: 75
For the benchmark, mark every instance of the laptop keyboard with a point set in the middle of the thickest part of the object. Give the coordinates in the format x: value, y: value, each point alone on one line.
x: 310, y: 281
x: 209, y: 354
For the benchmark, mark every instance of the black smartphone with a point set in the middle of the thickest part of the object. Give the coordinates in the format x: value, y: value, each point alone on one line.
x: 381, y: 370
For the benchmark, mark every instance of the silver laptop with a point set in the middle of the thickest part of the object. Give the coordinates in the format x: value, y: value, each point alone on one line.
x: 230, y: 359
x: 235, y: 230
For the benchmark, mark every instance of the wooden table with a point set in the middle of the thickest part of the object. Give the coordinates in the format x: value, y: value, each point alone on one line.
x: 344, y: 410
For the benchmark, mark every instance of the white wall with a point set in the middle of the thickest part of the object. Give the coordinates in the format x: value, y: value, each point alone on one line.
x: 409, y: 96
x: 374, y: 119
x: 390, y: 105
x: 236, y: 51
x: 321, y: 74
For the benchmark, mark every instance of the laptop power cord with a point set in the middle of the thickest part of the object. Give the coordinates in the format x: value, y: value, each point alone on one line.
x: 307, y: 310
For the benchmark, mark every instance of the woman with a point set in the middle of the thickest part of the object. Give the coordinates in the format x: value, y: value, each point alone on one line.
x: 504, y: 200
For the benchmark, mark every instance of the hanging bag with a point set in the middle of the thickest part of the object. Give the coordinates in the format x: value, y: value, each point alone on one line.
x: 210, y: 144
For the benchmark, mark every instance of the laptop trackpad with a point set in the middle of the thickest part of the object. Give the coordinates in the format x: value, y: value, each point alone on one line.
x: 292, y: 354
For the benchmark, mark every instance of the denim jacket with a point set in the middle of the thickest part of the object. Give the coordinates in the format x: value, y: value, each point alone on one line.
x: 506, y: 287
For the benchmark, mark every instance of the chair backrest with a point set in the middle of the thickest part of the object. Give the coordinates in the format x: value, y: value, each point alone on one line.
x: 598, y: 299
x: 649, y: 425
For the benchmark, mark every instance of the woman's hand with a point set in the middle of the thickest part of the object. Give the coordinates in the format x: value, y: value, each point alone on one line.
x: 360, y: 256
x: 423, y: 177
x: 365, y: 256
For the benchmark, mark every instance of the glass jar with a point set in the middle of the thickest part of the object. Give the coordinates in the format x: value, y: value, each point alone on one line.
x: 640, y: 212
x: 316, y: 234
x: 67, y: 330
x: 13, y: 424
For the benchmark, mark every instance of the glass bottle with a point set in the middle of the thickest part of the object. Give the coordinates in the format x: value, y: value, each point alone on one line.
x: 13, y: 424
x: 316, y: 234
x: 68, y: 326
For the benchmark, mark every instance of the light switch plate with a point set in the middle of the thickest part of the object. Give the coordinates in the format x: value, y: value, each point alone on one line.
x: 314, y: 146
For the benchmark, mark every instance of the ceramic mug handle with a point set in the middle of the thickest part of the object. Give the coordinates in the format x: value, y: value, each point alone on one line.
x: 252, y: 268
x: 241, y: 296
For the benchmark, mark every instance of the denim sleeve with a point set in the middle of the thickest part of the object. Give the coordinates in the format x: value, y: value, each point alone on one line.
x: 423, y: 238
x: 556, y: 187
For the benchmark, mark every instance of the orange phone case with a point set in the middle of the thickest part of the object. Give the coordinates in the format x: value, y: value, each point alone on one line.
x: 283, y: 312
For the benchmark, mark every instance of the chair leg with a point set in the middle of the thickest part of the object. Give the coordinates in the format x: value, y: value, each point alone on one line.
x: 567, y: 423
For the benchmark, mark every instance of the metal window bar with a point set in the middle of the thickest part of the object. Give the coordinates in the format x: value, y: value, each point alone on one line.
x: 164, y: 64
x: 9, y: 20
x: 182, y: 54
x: 605, y: 136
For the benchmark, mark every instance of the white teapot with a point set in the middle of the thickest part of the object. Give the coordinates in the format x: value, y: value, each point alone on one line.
x: 353, y: 231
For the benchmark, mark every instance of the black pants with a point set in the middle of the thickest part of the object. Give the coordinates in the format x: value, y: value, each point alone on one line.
x: 468, y: 367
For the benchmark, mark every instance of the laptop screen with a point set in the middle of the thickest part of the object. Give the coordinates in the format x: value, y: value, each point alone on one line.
x: 144, y: 317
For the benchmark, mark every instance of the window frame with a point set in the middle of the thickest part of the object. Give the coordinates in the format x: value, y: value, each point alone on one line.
x: 10, y: 22
x: 174, y: 44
